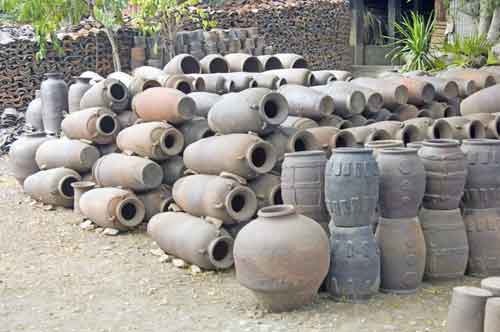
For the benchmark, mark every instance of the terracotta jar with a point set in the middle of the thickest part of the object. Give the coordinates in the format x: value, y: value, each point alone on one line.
x: 446, y: 243
x: 402, y: 182
x: 482, y: 187
x: 355, y: 263
x: 303, y: 184
x: 69, y: 153
x: 34, y: 112
x: 402, y: 254
x: 195, y: 240
x: 22, y: 155
x: 446, y: 170
x: 483, y: 232
x: 76, y: 92
x: 156, y: 201
x: 283, y: 272
x: 54, y: 95
x: 355, y: 171
x: 466, y: 310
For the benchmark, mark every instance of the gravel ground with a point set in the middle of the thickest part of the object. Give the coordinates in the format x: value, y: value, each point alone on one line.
x: 54, y: 276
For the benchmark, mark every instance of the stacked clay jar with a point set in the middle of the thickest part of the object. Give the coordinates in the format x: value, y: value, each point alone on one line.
x: 481, y: 205
x: 442, y: 223
x: 399, y: 234
x: 351, y: 194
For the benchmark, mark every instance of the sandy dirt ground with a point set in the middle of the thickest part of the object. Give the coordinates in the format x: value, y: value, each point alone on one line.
x: 54, y: 276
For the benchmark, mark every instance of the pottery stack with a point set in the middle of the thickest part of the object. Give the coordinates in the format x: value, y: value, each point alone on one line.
x: 481, y: 205
x: 399, y: 234
x: 351, y: 195
x: 444, y: 230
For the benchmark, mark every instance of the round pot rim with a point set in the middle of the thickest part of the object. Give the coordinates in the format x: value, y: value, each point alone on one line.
x: 398, y: 150
x: 352, y: 150
x: 441, y: 142
x: 481, y: 141
x: 277, y: 211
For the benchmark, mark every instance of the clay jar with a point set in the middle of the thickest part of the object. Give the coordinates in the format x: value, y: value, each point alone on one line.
x: 76, y: 92
x: 355, y: 171
x: 467, y: 308
x: 483, y: 232
x: 54, y: 95
x: 22, y: 155
x: 69, y: 153
x: 355, y: 263
x: 286, y: 271
x: 402, y: 254
x: 446, y: 170
x: 446, y: 243
x: 34, y: 112
x: 376, y: 146
x: 303, y: 184
x: 482, y: 187
x: 195, y: 240
x: 52, y: 186
x: 112, y: 207
x: 98, y: 125
x: 402, y: 182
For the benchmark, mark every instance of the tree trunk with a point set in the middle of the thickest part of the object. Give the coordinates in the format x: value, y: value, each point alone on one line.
x: 484, y: 24
x: 494, y: 31
x: 114, y: 49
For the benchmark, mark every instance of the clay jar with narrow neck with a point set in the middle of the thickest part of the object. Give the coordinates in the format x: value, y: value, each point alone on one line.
x: 402, y: 182
x: 482, y: 187
x: 286, y: 271
x: 54, y: 94
x: 356, y: 172
x: 446, y: 170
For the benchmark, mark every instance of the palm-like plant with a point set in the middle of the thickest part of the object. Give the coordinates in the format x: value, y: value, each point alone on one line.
x: 468, y: 51
x: 413, y: 43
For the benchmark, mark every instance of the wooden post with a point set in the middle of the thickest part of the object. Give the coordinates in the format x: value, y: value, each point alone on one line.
x: 357, y: 31
x: 440, y: 10
x: 393, y: 15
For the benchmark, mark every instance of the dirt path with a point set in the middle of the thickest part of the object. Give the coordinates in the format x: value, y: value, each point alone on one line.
x: 55, y: 276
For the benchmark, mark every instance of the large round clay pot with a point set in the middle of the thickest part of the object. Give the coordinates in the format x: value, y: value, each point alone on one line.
x: 446, y: 170
x: 303, y: 184
x: 34, y: 112
x: 402, y: 254
x: 482, y: 187
x: 402, y: 182
x: 467, y: 309
x: 446, y: 243
x: 355, y: 171
x: 54, y: 94
x: 483, y: 232
x: 22, y: 155
x: 354, y: 264
x: 286, y: 271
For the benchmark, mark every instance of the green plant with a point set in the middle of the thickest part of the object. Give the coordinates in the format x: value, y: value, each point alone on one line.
x: 413, y: 43
x: 166, y: 16
x: 468, y: 51
x: 49, y: 16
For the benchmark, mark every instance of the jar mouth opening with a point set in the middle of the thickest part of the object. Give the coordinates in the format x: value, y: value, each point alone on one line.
x: 276, y: 211
x: 481, y: 141
x: 398, y: 150
x: 441, y: 143
x: 352, y: 150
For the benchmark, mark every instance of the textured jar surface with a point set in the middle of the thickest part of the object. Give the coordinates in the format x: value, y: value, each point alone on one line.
x: 351, y: 187
x: 22, y: 155
x: 54, y: 94
x: 482, y: 187
x: 446, y: 243
x: 483, y: 232
x: 446, y: 171
x: 285, y: 271
x: 402, y: 254
x: 303, y: 183
x: 354, y: 263
x: 402, y: 182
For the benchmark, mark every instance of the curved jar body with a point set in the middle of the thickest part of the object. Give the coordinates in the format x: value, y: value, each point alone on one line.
x: 402, y: 182
x: 402, y: 254
x: 98, y: 125
x: 76, y: 92
x: 303, y: 184
x: 351, y: 187
x: 54, y: 94
x: 446, y: 243
x: 446, y: 170
x: 193, y: 239
x: 72, y: 154
x: 283, y: 272
x: 354, y: 264
x: 482, y: 187
x: 22, y: 155
x: 52, y: 186
x: 483, y: 232
x: 34, y: 113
